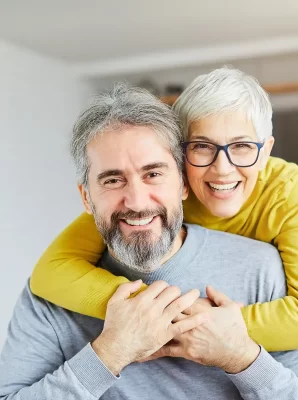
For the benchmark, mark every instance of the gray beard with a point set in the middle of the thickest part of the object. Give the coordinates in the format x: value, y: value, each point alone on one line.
x: 141, y: 251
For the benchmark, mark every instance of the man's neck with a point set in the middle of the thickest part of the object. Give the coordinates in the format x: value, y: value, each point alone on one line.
x: 178, y: 242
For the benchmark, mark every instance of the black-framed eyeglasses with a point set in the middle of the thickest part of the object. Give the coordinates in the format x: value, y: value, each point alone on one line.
x: 239, y: 154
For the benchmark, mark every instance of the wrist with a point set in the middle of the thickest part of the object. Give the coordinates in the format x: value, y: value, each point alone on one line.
x: 110, y: 354
x: 244, y: 359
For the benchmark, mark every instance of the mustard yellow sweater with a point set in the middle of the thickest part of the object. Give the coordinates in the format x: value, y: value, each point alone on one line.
x: 66, y: 276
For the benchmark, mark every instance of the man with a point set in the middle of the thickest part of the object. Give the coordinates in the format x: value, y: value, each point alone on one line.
x: 127, y: 151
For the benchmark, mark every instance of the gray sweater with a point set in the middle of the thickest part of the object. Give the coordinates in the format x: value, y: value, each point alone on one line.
x: 47, y: 354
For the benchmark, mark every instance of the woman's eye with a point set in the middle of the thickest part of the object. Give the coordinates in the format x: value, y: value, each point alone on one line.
x: 243, y: 147
x: 200, y: 145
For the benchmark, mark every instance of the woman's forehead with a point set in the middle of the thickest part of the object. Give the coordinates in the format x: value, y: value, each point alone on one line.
x: 228, y: 126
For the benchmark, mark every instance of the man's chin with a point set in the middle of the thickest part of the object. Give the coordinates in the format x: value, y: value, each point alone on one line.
x: 143, y: 238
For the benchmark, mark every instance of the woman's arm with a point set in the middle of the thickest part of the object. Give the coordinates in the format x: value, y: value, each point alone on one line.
x: 275, y: 324
x: 66, y: 274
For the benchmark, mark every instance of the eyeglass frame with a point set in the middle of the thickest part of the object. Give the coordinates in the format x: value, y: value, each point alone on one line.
x: 259, y: 145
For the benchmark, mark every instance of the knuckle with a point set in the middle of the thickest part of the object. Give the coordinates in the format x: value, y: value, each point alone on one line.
x: 190, y: 299
x: 201, y: 318
x: 142, y: 304
x: 178, y: 329
x: 195, y: 292
x: 151, y: 313
x: 178, y: 304
x: 175, y: 290
x: 161, y: 285
x: 125, y: 285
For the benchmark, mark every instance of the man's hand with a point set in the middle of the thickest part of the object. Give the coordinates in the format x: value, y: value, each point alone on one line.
x: 221, y: 341
x: 137, y: 327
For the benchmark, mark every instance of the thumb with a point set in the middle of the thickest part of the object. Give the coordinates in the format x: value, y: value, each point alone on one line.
x: 125, y: 290
x: 172, y: 350
x: 219, y: 298
x: 158, y: 354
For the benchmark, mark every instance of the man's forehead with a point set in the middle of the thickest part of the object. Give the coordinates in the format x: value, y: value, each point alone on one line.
x: 129, y: 148
x: 128, y: 136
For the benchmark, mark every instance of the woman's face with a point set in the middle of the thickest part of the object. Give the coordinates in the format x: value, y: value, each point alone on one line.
x: 222, y: 187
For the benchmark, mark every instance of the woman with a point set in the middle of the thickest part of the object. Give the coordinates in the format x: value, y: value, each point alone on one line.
x: 236, y: 187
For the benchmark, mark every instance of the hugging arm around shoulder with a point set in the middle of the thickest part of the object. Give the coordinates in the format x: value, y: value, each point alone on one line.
x: 66, y: 274
x: 274, y: 324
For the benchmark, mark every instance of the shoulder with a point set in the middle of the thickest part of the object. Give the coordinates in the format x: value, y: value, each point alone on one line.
x: 235, y: 245
x: 30, y: 301
x: 280, y: 174
x: 31, y: 315
x: 235, y: 257
x: 279, y: 168
x: 276, y: 196
x: 279, y: 184
x: 30, y: 307
x: 36, y: 306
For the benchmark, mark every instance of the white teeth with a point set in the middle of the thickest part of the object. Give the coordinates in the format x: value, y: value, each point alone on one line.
x: 227, y: 186
x: 137, y: 222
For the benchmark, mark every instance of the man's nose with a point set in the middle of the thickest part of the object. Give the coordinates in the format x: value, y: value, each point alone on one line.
x: 136, y: 196
x: 222, y: 165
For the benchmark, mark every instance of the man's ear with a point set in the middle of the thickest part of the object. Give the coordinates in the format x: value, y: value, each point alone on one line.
x: 266, y: 151
x: 185, y: 188
x: 85, y: 198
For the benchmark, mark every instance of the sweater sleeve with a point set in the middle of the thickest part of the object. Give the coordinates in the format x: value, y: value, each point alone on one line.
x: 32, y: 364
x: 66, y: 274
x: 266, y: 379
x: 274, y: 324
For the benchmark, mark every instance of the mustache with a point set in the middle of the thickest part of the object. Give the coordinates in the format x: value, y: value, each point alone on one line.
x: 130, y: 214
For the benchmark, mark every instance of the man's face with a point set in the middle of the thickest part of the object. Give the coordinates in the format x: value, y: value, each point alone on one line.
x: 135, y: 194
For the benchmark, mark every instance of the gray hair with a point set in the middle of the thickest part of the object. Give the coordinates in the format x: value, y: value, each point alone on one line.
x: 225, y: 90
x: 124, y: 105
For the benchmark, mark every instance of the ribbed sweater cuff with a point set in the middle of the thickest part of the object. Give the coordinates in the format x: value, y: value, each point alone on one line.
x: 258, y: 375
x: 91, y: 371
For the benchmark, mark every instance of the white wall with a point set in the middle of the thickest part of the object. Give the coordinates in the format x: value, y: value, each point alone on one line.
x: 268, y: 70
x: 39, y: 101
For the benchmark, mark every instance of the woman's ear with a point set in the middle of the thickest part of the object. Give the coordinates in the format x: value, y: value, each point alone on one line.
x: 266, y: 151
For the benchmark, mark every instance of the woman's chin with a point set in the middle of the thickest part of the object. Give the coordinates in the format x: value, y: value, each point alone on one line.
x: 224, y: 210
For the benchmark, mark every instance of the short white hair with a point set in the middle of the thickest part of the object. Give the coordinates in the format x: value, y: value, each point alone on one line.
x: 225, y: 90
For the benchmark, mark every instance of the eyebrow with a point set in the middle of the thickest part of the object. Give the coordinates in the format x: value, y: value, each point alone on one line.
x: 155, y: 165
x: 117, y: 172
x: 234, y: 139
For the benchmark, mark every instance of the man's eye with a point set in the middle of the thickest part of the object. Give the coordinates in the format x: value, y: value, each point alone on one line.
x: 153, y: 175
x: 113, y: 183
